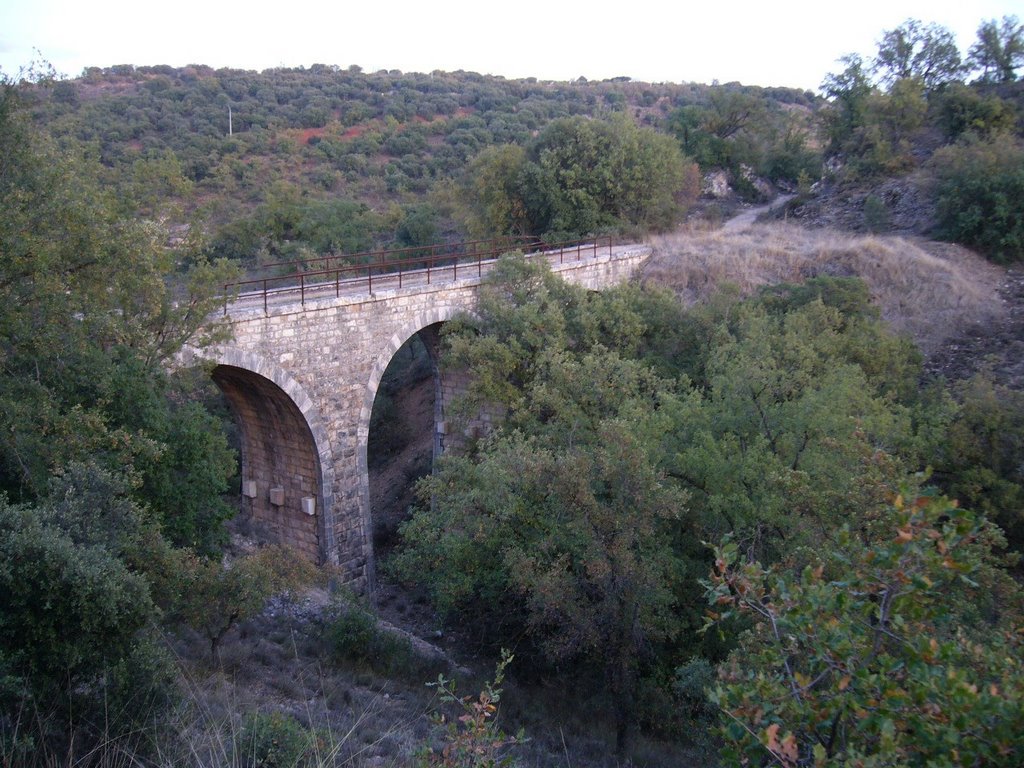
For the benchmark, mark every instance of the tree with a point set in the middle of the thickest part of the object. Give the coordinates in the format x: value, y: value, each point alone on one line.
x: 561, y: 525
x: 926, y: 52
x: 797, y: 421
x: 878, y: 653
x: 963, y: 112
x: 610, y: 174
x: 709, y: 132
x: 492, y: 195
x: 215, y: 597
x: 999, y: 50
x: 92, y: 307
x: 848, y: 91
x: 981, y: 462
x: 579, y: 177
x: 418, y: 226
x: 979, y: 191
x: 79, y: 668
x: 874, y: 130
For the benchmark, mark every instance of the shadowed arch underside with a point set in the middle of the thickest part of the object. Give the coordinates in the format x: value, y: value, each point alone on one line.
x: 281, y: 486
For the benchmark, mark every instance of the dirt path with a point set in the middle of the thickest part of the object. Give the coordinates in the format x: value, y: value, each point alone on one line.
x: 745, y: 219
x: 998, y: 346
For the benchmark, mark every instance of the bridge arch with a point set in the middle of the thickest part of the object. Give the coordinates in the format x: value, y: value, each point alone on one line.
x: 287, y: 462
x: 428, y: 325
x: 419, y: 322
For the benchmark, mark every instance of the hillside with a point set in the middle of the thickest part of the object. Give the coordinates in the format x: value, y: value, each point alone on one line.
x: 328, y: 159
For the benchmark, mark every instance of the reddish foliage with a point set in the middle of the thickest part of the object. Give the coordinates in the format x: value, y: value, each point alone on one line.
x: 307, y: 133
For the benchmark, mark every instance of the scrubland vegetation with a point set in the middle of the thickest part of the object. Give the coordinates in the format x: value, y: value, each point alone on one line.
x: 923, y: 289
x: 724, y: 516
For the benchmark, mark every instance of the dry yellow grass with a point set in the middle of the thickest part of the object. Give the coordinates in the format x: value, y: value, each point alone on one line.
x: 927, y: 290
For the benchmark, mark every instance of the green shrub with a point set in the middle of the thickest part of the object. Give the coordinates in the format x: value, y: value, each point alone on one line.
x: 274, y: 740
x: 692, y: 681
x: 78, y: 670
x: 876, y: 656
x: 982, y: 458
x: 67, y: 611
x: 962, y: 109
x: 353, y: 637
x: 979, y: 190
x: 876, y: 215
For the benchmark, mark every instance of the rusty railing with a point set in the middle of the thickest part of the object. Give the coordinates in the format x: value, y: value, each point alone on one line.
x: 314, y: 276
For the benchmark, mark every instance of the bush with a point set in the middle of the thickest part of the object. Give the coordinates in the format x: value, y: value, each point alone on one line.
x: 876, y: 215
x: 962, y: 109
x: 353, y: 637
x: 982, y: 459
x: 67, y: 610
x: 690, y: 687
x: 77, y: 668
x: 877, y: 655
x: 215, y: 597
x: 979, y: 189
x: 274, y: 740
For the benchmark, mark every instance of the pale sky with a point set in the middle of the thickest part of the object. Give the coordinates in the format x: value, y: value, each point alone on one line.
x: 785, y: 42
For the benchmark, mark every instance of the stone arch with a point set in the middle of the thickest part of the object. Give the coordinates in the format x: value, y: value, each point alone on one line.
x: 421, y: 322
x: 285, y: 446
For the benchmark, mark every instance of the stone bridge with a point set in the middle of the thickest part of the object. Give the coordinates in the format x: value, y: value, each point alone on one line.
x: 301, y: 374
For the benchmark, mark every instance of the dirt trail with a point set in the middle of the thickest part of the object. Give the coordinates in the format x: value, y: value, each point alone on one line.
x: 745, y: 219
x: 998, y: 346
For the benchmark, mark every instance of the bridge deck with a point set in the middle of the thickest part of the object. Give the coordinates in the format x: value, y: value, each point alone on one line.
x: 302, y: 290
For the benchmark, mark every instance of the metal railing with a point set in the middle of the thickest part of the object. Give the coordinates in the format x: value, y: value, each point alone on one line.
x: 313, y: 276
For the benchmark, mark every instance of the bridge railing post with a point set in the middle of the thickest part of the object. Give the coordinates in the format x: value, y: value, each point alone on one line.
x: 265, y: 296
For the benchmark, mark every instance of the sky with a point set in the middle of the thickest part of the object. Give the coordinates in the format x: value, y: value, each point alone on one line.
x: 785, y: 43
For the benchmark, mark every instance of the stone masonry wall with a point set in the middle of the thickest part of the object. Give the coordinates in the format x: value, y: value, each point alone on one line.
x: 279, y: 460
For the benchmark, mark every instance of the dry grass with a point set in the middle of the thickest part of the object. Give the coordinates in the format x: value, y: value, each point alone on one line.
x: 924, y: 289
x: 353, y: 718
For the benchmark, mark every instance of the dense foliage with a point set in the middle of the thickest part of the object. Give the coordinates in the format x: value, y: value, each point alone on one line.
x: 746, y: 133
x: 980, y: 186
x: 329, y: 159
x: 108, y: 462
x: 886, y: 117
x: 899, y: 645
x: 92, y: 307
x: 629, y: 430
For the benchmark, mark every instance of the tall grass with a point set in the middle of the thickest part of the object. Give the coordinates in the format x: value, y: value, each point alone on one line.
x: 271, y: 704
x: 924, y: 289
